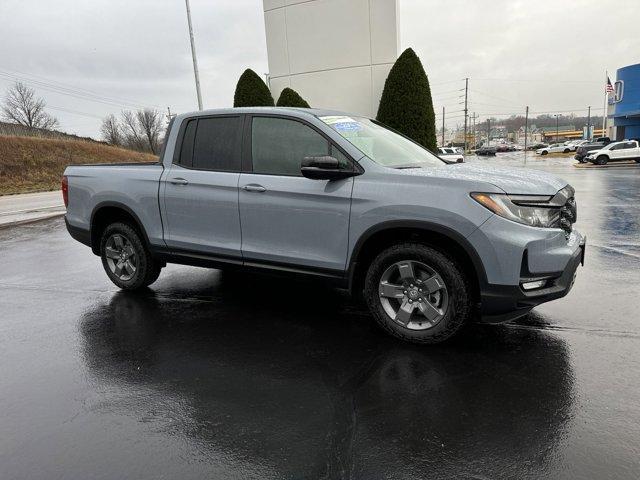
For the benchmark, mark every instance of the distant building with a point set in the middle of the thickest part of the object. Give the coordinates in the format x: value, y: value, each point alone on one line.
x: 335, y: 53
x: 626, y: 103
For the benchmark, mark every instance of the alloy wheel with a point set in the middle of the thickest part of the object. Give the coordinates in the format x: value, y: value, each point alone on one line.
x: 413, y: 295
x: 121, y: 257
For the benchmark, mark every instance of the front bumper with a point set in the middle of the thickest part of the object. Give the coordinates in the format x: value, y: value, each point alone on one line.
x: 501, y: 303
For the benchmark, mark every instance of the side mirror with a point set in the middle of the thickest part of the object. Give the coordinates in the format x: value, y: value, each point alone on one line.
x: 323, y: 168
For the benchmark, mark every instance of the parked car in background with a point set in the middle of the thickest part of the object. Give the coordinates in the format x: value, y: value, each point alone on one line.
x: 451, y: 154
x: 616, y: 151
x: 553, y: 148
x: 536, y: 146
x: 574, y: 144
x: 583, y: 150
x: 486, y: 151
x: 337, y: 197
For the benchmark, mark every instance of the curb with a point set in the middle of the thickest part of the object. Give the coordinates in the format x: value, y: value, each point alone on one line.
x: 608, y: 165
x: 32, y: 220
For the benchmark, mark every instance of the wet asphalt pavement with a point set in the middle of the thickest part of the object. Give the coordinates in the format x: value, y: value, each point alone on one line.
x: 216, y: 375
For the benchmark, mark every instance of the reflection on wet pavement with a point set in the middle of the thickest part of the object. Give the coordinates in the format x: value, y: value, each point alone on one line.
x: 221, y: 375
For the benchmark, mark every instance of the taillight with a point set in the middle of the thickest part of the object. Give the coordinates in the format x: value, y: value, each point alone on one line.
x: 65, y: 191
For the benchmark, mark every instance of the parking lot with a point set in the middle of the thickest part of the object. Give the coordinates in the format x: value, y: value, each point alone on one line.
x: 211, y: 374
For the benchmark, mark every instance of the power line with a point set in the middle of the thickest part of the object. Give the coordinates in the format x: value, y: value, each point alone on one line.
x: 58, y: 87
x: 529, y: 80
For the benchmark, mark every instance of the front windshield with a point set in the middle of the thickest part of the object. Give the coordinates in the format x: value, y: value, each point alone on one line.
x: 382, y: 145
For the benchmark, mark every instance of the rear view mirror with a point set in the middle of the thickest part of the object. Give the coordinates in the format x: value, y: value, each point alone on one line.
x: 323, y: 168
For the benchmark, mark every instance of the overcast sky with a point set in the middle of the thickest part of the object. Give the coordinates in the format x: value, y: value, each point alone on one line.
x: 95, y: 57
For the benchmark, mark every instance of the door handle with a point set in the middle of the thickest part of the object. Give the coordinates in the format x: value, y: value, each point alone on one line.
x: 179, y: 181
x: 252, y: 187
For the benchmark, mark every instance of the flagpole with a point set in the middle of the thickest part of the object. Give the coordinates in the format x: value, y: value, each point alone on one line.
x: 604, y: 113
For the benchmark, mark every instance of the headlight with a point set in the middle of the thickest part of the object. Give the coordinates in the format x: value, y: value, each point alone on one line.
x: 533, y: 210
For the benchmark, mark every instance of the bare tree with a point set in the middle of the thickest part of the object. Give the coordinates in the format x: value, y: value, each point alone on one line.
x: 150, y: 123
x: 130, y: 130
x: 111, y: 130
x: 23, y: 107
x: 139, y: 130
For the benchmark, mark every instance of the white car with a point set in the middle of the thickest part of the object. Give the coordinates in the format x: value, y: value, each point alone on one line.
x: 574, y: 144
x: 616, y: 151
x: 450, y: 153
x: 554, y: 148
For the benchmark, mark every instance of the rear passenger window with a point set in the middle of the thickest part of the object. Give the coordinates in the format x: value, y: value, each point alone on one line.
x: 212, y: 144
x: 217, y: 144
x: 278, y: 145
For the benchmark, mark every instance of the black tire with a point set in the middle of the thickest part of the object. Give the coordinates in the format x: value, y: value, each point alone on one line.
x: 637, y: 160
x: 459, y: 306
x: 602, y: 160
x: 544, y: 152
x: 147, y: 269
x: 567, y: 150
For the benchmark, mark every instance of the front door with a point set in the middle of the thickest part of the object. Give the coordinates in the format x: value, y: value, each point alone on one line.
x: 288, y: 219
x: 199, y: 191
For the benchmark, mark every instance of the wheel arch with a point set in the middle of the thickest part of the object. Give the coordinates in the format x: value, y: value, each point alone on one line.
x: 383, y: 235
x: 106, y: 213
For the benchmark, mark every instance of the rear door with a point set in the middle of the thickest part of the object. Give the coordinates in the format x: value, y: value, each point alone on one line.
x: 199, y: 191
x: 287, y: 219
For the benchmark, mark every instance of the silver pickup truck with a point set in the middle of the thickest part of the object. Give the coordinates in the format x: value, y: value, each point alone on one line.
x: 429, y: 243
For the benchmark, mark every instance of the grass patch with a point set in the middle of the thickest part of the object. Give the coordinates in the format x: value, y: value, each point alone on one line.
x: 29, y: 164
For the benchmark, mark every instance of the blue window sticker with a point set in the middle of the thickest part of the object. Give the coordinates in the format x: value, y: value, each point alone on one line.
x: 348, y: 126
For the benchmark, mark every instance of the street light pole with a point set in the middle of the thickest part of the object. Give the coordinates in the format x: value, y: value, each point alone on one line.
x: 589, y: 124
x: 193, y: 56
x: 557, y: 134
x: 443, y: 126
x: 526, y: 127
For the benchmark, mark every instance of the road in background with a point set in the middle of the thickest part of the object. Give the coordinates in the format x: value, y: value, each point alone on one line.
x: 218, y: 375
x: 16, y: 209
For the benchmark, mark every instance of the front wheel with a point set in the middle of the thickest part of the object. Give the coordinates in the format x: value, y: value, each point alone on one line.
x: 126, y: 259
x: 566, y: 150
x: 417, y: 294
x: 544, y: 152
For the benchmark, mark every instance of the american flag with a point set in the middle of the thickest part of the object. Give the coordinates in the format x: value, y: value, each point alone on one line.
x: 608, y: 88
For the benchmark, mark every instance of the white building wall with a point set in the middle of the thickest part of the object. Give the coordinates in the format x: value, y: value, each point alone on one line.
x: 335, y: 53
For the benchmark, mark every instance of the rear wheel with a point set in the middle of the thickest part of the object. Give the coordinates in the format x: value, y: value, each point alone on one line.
x: 126, y: 259
x: 417, y: 293
x: 567, y: 150
x: 602, y: 160
x: 543, y: 152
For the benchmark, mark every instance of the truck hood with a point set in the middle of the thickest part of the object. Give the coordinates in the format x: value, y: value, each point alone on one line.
x: 516, y: 181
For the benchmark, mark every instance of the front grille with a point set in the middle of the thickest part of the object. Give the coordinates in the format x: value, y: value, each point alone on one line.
x: 568, y: 215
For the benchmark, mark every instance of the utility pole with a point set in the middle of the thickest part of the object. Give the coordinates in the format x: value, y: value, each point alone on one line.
x: 604, y: 113
x: 169, y: 114
x: 557, y: 135
x: 193, y: 56
x: 466, y: 111
x: 589, y: 124
x: 473, y: 131
x: 443, y: 126
x: 526, y: 127
x: 488, y: 132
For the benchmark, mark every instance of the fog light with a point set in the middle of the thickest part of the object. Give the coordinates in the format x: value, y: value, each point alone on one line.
x: 533, y: 285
